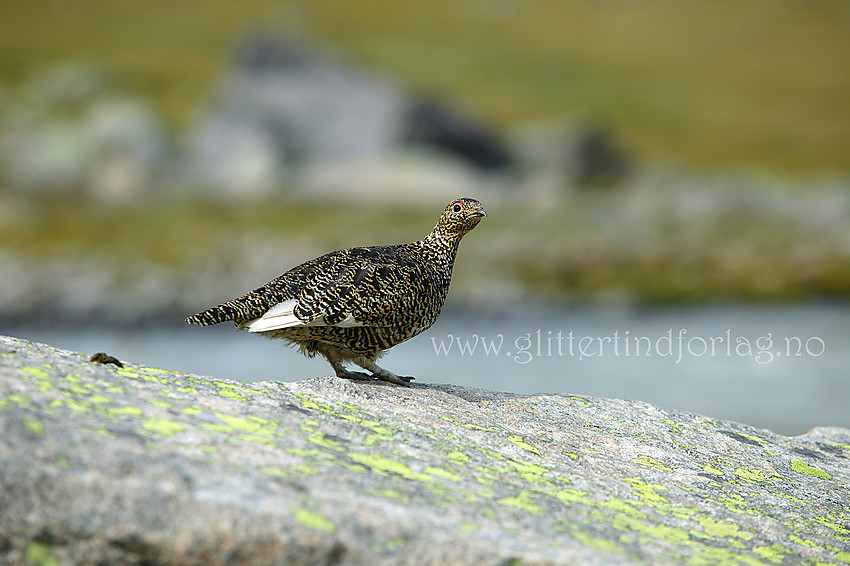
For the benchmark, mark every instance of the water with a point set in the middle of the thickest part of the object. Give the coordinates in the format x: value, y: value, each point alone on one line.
x: 779, y: 368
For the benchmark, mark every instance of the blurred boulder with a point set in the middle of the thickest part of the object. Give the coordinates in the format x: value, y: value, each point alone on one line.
x: 64, y: 85
x: 281, y: 105
x: 432, y: 124
x: 288, y: 107
x: 561, y: 155
x: 596, y: 158
x: 421, y: 178
x: 68, y: 129
x: 128, y: 148
x: 41, y: 154
x: 236, y: 154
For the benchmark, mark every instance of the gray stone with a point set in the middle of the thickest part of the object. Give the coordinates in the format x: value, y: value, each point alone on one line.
x: 69, y: 129
x: 560, y: 155
x: 100, y: 464
x: 284, y: 104
x: 287, y: 109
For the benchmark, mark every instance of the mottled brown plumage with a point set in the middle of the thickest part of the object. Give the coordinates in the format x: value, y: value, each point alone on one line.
x: 352, y: 305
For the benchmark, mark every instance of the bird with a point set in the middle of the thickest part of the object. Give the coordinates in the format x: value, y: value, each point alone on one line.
x: 352, y: 305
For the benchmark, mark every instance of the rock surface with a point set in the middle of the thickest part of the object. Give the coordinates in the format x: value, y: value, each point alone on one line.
x: 101, y: 464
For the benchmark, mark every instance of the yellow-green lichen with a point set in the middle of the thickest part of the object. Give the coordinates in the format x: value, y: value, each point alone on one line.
x: 35, y: 427
x: 391, y: 494
x: 158, y: 370
x: 736, y: 503
x: 320, y: 439
x: 712, y: 470
x: 531, y: 472
x: 124, y: 372
x: 755, y: 438
x: 395, y: 544
x: 774, y: 553
x: 164, y: 427
x: 674, y: 427
x: 312, y: 520
x: 40, y: 554
x: 442, y: 473
x: 592, y: 541
x: 34, y: 372
x: 842, y: 532
x: 17, y: 399
x: 722, y: 528
x: 228, y: 391
x: 256, y: 438
x: 648, y: 492
x: 273, y: 471
x: 650, y: 461
x: 757, y: 476
x: 239, y: 423
x: 518, y: 440
x: 522, y: 500
x: 309, y: 403
x: 458, y: 456
x: 570, y: 496
x: 471, y: 426
x: 128, y: 410
x: 621, y: 506
x: 803, y: 468
x: 382, y: 464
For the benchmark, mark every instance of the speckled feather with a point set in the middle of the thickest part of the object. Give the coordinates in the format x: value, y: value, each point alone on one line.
x: 352, y: 304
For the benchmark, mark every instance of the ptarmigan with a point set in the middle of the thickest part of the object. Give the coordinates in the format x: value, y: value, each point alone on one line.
x: 352, y: 305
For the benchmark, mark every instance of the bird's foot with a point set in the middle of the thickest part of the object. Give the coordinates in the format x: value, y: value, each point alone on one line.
x: 354, y: 375
x: 393, y: 378
x: 378, y: 373
x: 385, y: 375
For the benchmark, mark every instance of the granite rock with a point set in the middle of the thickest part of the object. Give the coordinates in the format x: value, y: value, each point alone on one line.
x: 138, y: 465
x: 287, y: 109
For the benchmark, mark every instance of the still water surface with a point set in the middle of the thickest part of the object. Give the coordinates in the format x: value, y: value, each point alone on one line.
x: 782, y: 368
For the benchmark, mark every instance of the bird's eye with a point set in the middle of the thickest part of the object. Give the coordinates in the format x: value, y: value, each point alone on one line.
x: 457, y: 207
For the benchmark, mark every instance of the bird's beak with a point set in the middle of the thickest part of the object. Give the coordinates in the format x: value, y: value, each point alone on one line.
x: 481, y: 212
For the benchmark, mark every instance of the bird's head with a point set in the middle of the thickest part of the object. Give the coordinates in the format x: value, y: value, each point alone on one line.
x: 461, y: 216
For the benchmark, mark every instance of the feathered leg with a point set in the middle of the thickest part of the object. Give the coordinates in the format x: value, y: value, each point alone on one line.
x: 386, y: 375
x: 335, y: 358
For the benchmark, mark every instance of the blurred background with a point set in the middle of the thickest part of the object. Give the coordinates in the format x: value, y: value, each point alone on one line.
x: 648, y: 167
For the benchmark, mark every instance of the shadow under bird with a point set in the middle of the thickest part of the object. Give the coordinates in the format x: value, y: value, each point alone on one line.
x: 354, y: 304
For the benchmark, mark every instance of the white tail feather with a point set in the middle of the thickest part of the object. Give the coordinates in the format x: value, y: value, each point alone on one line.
x: 281, y: 316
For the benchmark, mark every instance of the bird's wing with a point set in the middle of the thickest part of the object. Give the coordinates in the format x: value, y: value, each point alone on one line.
x: 357, y: 287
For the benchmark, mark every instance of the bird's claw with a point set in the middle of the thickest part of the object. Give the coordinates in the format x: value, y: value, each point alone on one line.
x: 378, y: 374
x: 389, y: 376
x: 355, y: 375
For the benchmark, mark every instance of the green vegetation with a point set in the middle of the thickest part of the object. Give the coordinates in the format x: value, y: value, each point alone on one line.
x: 762, y: 82
x: 173, y: 234
x: 590, y: 248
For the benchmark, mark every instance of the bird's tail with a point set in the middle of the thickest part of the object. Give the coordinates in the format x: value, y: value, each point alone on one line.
x: 215, y: 315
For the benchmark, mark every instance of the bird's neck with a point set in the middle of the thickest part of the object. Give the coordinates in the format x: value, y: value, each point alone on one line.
x: 441, y: 247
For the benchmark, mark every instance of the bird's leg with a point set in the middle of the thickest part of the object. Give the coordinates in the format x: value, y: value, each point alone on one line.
x: 346, y: 374
x: 385, y: 375
x: 336, y: 363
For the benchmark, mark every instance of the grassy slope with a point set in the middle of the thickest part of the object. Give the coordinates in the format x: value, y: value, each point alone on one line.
x: 570, y: 253
x: 764, y: 82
